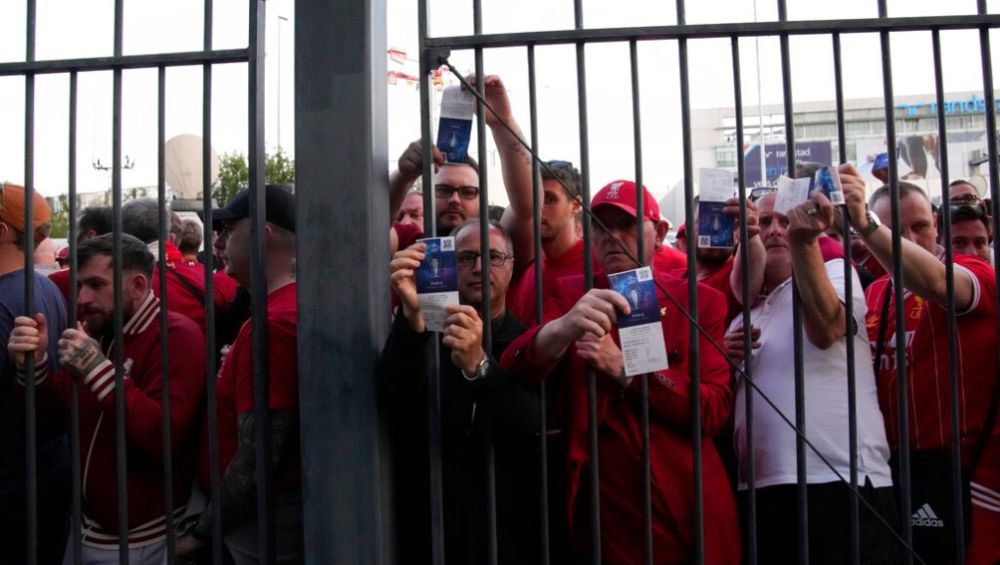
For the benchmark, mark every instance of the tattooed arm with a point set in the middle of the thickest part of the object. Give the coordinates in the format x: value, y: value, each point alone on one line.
x: 515, y: 163
x: 238, y: 488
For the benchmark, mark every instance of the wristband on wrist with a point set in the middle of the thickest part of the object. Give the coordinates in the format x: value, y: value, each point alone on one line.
x: 871, y: 227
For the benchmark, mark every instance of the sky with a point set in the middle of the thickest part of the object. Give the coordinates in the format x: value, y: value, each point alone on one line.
x: 68, y: 28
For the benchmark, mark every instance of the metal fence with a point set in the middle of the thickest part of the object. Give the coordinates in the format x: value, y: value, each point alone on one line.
x: 340, y: 79
x: 119, y: 64
x: 435, y: 52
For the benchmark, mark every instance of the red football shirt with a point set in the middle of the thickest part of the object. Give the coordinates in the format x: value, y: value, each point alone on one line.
x: 521, y: 300
x: 234, y: 385
x: 719, y: 280
x: 929, y: 397
x: 667, y: 258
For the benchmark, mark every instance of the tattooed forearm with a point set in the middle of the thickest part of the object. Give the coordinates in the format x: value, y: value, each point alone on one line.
x: 516, y: 147
x: 238, y: 488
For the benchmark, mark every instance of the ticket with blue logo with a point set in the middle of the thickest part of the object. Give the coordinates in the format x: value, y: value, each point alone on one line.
x: 715, y: 229
x: 455, y: 123
x: 827, y: 181
x: 641, y: 332
x: 437, y: 281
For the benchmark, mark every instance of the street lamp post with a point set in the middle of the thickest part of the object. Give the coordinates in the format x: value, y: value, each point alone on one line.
x: 280, y: 19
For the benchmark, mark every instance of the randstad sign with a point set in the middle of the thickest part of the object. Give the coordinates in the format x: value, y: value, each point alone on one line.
x: 973, y: 105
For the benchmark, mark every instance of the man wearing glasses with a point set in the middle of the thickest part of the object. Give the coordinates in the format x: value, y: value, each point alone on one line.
x: 456, y: 185
x: 963, y: 192
x: 481, y: 405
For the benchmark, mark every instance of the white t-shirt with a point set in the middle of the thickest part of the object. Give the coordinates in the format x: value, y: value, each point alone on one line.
x: 825, y: 380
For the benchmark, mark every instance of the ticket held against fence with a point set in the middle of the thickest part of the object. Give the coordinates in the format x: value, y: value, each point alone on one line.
x: 641, y: 332
x: 455, y: 124
x: 715, y: 229
x: 437, y: 281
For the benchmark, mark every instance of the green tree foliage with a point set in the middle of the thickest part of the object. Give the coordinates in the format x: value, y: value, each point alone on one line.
x: 234, y: 173
x: 60, y: 217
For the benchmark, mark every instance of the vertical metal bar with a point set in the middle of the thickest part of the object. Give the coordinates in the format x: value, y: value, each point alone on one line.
x: 30, y: 427
x: 991, y: 132
x: 484, y: 257
x: 797, y: 342
x: 74, y: 406
x: 588, y: 277
x: 647, y: 505
x: 750, y: 541
x: 433, y: 356
x: 121, y: 475
x: 854, y: 536
x: 991, y: 138
x: 956, y: 430
x: 694, y: 355
x: 258, y: 284
x: 340, y: 77
x: 903, y: 446
x: 161, y: 264
x: 212, y: 409
x: 537, y: 198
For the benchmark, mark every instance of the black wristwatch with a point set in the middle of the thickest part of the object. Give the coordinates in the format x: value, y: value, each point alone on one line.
x: 873, y: 224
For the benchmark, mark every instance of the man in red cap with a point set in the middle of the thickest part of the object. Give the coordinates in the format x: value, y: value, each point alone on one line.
x: 579, y: 334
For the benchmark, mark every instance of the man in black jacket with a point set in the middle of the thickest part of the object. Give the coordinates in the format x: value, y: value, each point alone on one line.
x: 480, y: 406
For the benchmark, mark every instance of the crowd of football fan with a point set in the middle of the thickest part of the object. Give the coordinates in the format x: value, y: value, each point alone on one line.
x: 490, y: 397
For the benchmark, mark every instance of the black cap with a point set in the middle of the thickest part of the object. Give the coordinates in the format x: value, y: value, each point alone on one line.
x: 280, y: 203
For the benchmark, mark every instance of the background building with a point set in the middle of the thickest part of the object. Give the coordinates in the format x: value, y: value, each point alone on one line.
x: 714, y: 141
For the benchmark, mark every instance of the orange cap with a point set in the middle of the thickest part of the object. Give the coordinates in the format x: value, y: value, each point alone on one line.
x: 12, y: 207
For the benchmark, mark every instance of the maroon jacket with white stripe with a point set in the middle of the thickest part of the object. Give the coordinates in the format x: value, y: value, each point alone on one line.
x: 144, y: 424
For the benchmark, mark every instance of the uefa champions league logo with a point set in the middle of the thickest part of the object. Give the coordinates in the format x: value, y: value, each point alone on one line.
x: 633, y: 298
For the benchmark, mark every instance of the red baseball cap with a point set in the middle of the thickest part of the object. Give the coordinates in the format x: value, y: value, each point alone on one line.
x: 621, y: 193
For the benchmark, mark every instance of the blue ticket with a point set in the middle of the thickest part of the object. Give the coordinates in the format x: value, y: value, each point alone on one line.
x: 715, y: 229
x: 881, y: 162
x: 827, y: 181
x: 640, y: 331
x: 455, y: 124
x: 437, y: 281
